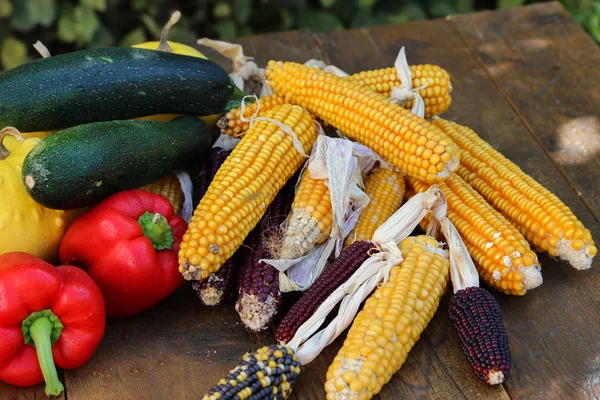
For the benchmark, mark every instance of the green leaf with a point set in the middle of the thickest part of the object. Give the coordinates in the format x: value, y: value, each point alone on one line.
x: 152, y: 26
x: 86, y: 23
x: 510, y: 3
x: 99, y: 5
x: 327, y: 3
x: 222, y: 10
x: 442, y: 9
x: 366, y: 4
x: 46, y: 12
x: 242, y: 10
x: 66, y: 27
x: 319, y: 21
x: 136, y: 36
x: 23, y: 16
x: 140, y: 5
x: 287, y: 19
x: 102, y: 38
x: 14, y: 52
x: 226, y: 29
x: 6, y: 8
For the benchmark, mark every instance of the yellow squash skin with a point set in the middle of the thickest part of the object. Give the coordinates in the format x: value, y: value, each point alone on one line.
x: 25, y: 225
x: 178, y: 48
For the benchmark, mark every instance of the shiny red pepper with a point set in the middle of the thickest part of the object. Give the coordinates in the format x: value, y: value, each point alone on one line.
x: 128, y: 244
x: 57, y: 313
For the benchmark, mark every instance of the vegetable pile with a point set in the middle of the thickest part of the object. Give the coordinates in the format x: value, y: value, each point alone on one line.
x: 150, y: 166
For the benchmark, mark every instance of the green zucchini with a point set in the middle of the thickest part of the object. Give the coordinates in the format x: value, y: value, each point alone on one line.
x: 110, y: 84
x: 82, y: 165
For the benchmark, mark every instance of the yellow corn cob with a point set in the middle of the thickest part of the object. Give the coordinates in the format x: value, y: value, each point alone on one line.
x: 435, y: 94
x: 385, y: 189
x: 311, y: 220
x: 417, y: 147
x: 242, y: 189
x: 391, y: 322
x: 169, y: 188
x: 502, y: 255
x: 540, y: 216
x: 435, y: 79
x: 231, y: 124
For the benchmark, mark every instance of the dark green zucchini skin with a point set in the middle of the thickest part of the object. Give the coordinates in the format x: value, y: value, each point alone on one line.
x: 107, y: 84
x: 82, y: 165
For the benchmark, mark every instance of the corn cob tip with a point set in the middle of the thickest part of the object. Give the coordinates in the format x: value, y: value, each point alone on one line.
x: 450, y: 167
x: 209, y: 295
x: 193, y: 273
x: 254, y: 313
x: 578, y: 258
x: 532, y: 276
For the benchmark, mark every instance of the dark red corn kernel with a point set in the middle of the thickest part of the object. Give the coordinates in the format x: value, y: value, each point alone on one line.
x: 332, y: 277
x: 259, y: 297
x: 209, y: 169
x: 476, y: 316
x: 219, y: 285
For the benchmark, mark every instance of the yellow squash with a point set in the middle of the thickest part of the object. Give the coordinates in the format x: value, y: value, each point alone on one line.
x: 25, y: 225
x: 176, y: 48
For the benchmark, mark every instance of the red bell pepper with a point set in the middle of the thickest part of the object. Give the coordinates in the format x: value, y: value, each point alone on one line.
x: 128, y: 244
x: 57, y: 313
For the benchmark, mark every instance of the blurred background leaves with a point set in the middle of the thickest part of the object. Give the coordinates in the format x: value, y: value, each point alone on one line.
x: 66, y: 25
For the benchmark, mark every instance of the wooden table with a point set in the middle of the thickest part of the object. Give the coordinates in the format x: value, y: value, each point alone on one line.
x: 528, y: 80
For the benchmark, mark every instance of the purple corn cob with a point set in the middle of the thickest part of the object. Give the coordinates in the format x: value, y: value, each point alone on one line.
x: 332, y: 277
x: 476, y: 315
x: 219, y: 285
x: 216, y: 157
x: 259, y: 298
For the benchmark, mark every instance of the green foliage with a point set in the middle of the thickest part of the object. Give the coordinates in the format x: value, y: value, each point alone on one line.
x: 67, y: 25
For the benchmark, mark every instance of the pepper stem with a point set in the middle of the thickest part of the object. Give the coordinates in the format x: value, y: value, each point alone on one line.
x: 164, y: 45
x: 157, y: 229
x: 42, y: 329
x: 9, y: 130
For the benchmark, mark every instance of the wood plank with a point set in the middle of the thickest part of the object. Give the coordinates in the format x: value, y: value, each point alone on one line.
x: 554, y: 330
x: 178, y: 349
x: 8, y: 392
x: 547, y: 66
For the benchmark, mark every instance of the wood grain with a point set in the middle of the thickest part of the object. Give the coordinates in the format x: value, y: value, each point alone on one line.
x: 178, y: 349
x: 8, y: 392
x: 547, y: 66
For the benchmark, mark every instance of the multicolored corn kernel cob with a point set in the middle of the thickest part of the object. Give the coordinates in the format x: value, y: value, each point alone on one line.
x: 231, y: 123
x: 476, y: 315
x: 169, y: 188
x: 216, y: 158
x: 434, y: 81
x: 334, y: 275
x: 243, y: 188
x: 501, y: 254
x: 311, y: 220
x: 391, y: 322
x: 259, y: 297
x: 540, y: 216
x: 414, y: 145
x: 219, y: 285
x: 269, y: 373
x: 385, y: 189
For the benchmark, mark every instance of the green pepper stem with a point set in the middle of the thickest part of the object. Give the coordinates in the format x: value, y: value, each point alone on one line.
x: 157, y: 229
x: 41, y: 331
